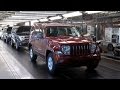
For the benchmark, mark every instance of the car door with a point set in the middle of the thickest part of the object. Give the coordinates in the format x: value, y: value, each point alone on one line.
x: 43, y: 43
x: 38, y: 42
x: 33, y: 41
x: 13, y: 34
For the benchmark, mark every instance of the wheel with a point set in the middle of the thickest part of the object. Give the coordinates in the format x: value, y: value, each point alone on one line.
x: 11, y: 43
x: 116, y: 53
x: 110, y: 47
x: 4, y: 40
x: 7, y: 41
x: 92, y: 65
x: 17, y: 46
x: 33, y: 56
x: 51, y: 66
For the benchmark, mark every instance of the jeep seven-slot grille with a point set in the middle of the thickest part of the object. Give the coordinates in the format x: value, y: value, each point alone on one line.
x: 26, y: 38
x: 81, y: 49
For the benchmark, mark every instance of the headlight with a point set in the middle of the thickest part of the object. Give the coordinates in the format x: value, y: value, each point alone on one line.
x: 92, y: 48
x: 21, y: 38
x: 65, y: 49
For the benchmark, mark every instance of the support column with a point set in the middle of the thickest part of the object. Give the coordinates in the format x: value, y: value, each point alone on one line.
x: 29, y: 23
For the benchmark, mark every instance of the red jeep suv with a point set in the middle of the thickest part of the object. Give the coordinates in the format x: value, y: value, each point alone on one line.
x: 61, y: 45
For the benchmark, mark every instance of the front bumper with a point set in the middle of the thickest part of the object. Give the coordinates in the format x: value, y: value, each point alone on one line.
x: 74, y: 61
x: 23, y: 43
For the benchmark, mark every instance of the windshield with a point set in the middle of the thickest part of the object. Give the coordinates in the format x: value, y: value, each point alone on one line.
x: 9, y: 30
x: 62, y: 31
x: 24, y: 30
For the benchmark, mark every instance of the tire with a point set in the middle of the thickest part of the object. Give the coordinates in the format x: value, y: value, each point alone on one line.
x: 33, y: 56
x: 7, y: 41
x: 92, y: 65
x: 4, y: 40
x: 11, y: 43
x: 51, y: 66
x: 110, y: 47
x: 116, y: 53
x: 17, y: 46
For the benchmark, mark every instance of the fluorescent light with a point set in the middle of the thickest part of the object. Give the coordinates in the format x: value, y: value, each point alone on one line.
x: 29, y: 16
x: 27, y: 24
x: 73, y: 14
x: 55, y: 18
x: 91, y: 12
x: 43, y: 20
x: 42, y: 12
x: 78, y: 22
x: 33, y: 21
x: 15, y: 20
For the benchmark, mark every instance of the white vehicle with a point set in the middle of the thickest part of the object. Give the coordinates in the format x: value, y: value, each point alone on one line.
x: 112, y: 38
x: 1, y: 34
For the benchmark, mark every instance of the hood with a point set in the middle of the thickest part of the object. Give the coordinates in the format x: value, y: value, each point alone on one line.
x: 70, y: 40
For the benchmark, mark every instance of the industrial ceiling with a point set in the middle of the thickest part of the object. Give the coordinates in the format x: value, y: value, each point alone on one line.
x: 13, y: 17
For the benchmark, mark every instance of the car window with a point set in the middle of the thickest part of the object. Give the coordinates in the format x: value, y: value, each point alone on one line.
x: 24, y: 30
x: 14, y: 29
x: 9, y: 30
x: 52, y: 31
x: 62, y: 31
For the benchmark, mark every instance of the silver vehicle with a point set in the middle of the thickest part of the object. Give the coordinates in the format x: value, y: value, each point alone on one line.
x: 1, y: 34
x: 7, y: 34
x: 20, y: 36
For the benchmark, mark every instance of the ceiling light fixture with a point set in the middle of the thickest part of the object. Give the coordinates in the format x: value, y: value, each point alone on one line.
x: 73, y: 14
x: 92, y: 12
x: 43, y: 20
x: 55, y: 18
